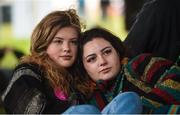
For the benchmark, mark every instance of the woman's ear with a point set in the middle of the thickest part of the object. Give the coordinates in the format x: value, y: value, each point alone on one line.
x: 124, y: 61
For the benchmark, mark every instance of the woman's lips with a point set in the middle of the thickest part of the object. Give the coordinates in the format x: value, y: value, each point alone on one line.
x: 66, y: 57
x: 105, y: 70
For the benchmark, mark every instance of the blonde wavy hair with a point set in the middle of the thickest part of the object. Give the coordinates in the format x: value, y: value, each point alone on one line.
x: 42, y: 36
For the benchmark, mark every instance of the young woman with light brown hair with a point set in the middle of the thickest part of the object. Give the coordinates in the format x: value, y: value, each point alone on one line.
x: 44, y: 81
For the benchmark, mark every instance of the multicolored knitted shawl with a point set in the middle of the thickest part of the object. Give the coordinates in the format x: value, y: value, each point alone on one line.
x: 155, y: 79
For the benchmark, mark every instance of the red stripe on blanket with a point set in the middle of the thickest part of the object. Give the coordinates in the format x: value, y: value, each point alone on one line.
x: 139, y: 60
x: 155, y: 67
x: 170, y: 76
x: 169, y: 99
x: 100, y: 101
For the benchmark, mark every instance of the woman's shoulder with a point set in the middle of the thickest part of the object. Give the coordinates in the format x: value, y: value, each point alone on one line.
x: 32, y: 66
x: 30, y: 69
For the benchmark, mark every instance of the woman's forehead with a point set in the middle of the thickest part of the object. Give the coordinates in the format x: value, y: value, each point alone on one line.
x: 95, y: 45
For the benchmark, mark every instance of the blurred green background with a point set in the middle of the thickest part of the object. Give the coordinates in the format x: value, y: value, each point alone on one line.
x: 7, y: 40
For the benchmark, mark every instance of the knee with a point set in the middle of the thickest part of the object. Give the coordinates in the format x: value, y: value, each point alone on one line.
x: 130, y: 100
x: 82, y: 109
x: 130, y: 97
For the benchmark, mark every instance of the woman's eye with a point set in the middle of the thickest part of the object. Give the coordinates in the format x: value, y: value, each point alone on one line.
x: 58, y: 41
x: 91, y: 59
x: 75, y: 42
x: 107, y: 52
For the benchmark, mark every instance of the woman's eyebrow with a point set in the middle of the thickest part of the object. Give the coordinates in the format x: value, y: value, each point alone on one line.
x: 107, y: 47
x: 56, y: 37
x: 89, y: 55
x: 74, y: 38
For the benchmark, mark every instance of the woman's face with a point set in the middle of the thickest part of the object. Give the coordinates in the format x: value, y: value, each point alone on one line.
x: 63, y: 48
x: 100, y: 59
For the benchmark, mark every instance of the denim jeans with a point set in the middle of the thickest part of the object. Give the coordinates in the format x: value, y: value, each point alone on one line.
x: 124, y: 103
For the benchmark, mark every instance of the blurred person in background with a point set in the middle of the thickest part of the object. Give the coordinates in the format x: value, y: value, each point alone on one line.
x: 132, y: 7
x: 104, y: 4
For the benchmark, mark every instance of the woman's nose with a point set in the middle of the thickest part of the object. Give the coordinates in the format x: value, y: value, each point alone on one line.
x: 66, y: 47
x: 102, y: 61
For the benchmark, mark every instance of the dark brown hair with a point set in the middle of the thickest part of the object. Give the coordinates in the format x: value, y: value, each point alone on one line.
x: 105, y: 34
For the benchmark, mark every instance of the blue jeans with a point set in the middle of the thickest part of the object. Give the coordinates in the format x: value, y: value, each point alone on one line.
x: 124, y: 103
